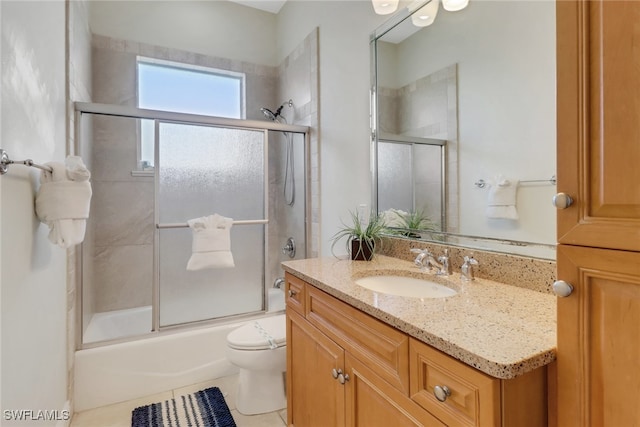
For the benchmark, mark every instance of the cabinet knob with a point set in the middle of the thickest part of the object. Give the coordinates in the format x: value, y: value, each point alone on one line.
x: 336, y: 372
x: 562, y: 201
x: 441, y: 392
x: 292, y: 293
x: 562, y: 288
x: 343, y: 378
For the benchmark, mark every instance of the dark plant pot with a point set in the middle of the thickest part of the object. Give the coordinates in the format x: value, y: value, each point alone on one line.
x: 360, y: 251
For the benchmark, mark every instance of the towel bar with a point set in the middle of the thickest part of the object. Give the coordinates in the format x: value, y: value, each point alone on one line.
x: 481, y: 183
x: 5, y: 161
x: 185, y: 225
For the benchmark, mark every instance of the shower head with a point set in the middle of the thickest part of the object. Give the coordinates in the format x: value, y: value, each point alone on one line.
x: 269, y: 114
x: 273, y: 116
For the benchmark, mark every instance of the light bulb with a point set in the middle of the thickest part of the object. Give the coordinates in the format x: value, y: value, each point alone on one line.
x: 425, y: 16
x: 454, y: 5
x: 385, y: 7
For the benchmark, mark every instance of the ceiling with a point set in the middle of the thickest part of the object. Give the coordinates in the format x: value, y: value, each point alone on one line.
x: 272, y: 6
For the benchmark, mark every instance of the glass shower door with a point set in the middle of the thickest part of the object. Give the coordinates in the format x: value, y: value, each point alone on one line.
x: 201, y: 171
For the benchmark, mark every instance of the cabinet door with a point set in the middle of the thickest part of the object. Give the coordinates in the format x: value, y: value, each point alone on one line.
x: 373, y: 402
x: 598, y: 338
x: 598, y: 95
x: 314, y: 397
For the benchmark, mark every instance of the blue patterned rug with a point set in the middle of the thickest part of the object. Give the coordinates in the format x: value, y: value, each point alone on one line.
x: 205, y: 408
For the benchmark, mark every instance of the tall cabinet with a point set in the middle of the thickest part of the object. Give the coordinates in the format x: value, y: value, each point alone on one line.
x: 598, y: 92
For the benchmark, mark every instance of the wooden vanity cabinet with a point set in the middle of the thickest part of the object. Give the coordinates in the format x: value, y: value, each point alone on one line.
x: 345, y: 368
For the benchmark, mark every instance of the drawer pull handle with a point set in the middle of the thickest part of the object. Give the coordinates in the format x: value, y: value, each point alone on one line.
x: 441, y: 393
x: 292, y: 293
x: 335, y: 373
x: 343, y: 378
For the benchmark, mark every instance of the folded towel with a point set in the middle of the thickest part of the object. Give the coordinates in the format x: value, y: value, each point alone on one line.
x: 501, y: 203
x: 63, y: 201
x: 211, y: 247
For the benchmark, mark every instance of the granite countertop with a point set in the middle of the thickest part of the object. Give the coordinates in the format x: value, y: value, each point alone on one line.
x: 501, y: 330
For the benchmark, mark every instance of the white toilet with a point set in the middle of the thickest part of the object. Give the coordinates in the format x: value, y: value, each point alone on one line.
x: 259, y: 350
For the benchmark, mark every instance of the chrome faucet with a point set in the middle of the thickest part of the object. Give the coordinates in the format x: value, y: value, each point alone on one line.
x: 426, y: 260
x: 467, y: 268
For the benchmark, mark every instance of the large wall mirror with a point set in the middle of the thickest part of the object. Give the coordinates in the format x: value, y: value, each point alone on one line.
x: 464, y: 124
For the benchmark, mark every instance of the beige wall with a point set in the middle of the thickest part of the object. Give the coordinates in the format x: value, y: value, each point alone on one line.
x: 33, y: 290
x: 211, y: 28
x: 79, y: 89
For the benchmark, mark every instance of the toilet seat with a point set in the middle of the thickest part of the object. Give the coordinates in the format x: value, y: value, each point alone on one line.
x: 262, y: 334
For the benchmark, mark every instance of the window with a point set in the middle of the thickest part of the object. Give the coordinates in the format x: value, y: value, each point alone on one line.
x: 184, y: 88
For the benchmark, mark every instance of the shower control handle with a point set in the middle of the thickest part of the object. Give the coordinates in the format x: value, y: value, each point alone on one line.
x: 290, y: 248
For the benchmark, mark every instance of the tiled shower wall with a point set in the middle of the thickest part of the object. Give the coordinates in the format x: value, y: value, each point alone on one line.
x: 298, y: 81
x: 427, y: 108
x: 122, y: 208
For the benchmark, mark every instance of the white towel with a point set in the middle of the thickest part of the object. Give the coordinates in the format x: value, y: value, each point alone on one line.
x: 63, y: 201
x: 501, y: 203
x: 211, y: 247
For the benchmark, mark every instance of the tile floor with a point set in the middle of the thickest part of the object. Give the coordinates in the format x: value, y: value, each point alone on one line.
x: 119, y: 414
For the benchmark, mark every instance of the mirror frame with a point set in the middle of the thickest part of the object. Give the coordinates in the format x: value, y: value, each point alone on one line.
x: 452, y: 239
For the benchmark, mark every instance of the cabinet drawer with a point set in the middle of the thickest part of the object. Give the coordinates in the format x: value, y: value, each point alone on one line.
x: 474, y: 398
x: 371, y: 341
x: 294, y: 293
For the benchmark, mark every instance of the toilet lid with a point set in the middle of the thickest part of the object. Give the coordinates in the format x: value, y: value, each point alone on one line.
x: 261, y: 334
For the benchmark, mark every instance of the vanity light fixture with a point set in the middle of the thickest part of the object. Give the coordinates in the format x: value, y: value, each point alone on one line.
x: 425, y: 16
x: 454, y: 5
x: 385, y: 7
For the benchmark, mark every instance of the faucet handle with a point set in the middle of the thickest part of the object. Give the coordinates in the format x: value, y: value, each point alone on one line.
x: 419, y: 261
x: 471, y: 260
x: 467, y: 268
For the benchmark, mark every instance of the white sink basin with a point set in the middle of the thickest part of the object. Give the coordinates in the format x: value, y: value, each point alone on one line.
x: 405, y: 286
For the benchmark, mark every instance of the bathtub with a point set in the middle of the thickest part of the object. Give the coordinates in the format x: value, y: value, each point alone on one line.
x: 125, y: 371
x: 129, y: 370
x: 118, y: 324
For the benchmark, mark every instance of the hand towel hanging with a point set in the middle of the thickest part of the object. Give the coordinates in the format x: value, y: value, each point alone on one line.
x: 211, y: 247
x: 501, y: 202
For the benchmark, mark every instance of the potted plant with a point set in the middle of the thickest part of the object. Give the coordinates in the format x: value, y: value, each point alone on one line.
x: 409, y: 224
x: 361, y: 239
